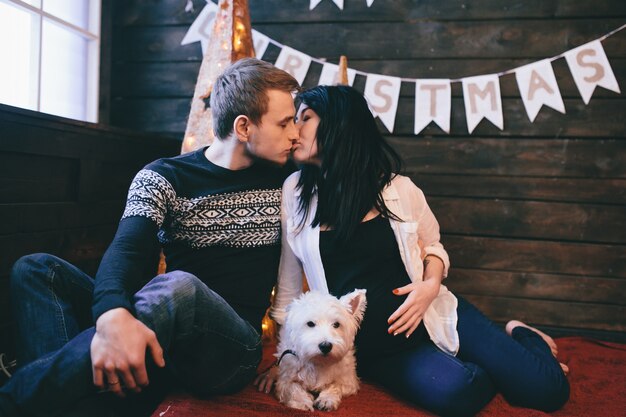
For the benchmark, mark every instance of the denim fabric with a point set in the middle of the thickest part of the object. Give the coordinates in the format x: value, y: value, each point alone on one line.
x: 208, y: 348
x: 521, y: 367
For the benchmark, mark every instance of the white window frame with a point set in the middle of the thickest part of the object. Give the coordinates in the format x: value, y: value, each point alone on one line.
x: 92, y: 34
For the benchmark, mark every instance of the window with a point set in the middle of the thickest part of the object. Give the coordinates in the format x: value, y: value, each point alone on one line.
x: 50, y: 56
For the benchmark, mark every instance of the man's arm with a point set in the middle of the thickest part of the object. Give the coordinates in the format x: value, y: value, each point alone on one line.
x: 118, y: 349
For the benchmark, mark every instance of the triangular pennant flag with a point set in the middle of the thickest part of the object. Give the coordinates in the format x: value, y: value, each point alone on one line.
x: 200, y: 29
x: 481, y: 96
x: 590, y: 67
x: 294, y: 62
x: 329, y: 75
x: 260, y: 42
x: 537, y: 85
x: 369, y: 2
x: 433, y: 101
x: 382, y: 94
x: 313, y: 4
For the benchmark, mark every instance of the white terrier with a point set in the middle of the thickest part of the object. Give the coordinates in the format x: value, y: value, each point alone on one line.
x: 316, y: 364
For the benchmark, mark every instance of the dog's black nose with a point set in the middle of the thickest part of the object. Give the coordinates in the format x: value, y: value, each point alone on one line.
x: 325, y: 347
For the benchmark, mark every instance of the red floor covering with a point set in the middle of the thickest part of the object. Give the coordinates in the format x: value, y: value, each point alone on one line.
x: 597, y: 378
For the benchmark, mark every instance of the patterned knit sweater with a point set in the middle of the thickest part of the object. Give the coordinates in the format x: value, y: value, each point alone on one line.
x: 220, y: 225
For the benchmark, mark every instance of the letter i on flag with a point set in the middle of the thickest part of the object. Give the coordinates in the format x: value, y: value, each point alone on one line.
x: 432, y: 104
x: 537, y: 85
x: 590, y: 67
x: 382, y: 95
x: 481, y: 96
x: 329, y: 75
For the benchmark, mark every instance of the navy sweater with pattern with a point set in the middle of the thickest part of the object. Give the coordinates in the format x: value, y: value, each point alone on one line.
x: 220, y: 225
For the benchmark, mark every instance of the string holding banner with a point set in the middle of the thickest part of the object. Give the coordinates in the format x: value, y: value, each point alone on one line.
x: 536, y: 82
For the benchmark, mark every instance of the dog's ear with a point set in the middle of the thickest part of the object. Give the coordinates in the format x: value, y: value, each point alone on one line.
x: 356, y: 303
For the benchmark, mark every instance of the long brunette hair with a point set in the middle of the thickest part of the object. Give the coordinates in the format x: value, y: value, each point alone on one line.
x: 356, y: 161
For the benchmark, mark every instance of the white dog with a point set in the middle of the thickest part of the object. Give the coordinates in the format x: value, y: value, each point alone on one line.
x: 316, y: 364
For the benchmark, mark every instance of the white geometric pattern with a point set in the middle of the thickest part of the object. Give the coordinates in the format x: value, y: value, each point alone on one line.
x: 249, y: 218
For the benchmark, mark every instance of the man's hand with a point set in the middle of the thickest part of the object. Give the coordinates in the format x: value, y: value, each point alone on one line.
x: 118, y: 352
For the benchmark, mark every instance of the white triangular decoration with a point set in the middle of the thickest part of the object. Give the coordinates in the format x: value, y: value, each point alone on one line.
x: 200, y: 29
x: 537, y: 86
x: 590, y: 68
x: 482, y: 99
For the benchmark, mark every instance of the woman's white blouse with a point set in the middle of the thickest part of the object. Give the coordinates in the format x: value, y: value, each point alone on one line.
x: 300, y: 253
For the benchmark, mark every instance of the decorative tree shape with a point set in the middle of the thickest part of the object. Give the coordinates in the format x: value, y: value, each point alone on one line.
x: 231, y: 40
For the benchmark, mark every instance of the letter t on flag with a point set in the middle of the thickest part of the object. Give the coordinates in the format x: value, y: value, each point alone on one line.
x: 537, y: 85
x: 432, y: 104
x: 481, y: 96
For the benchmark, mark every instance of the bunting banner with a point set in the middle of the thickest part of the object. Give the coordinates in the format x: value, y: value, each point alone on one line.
x: 382, y: 94
x: 537, y: 85
x: 330, y: 73
x: 590, y: 68
x: 481, y: 96
x: 433, y: 103
x: 536, y: 81
x: 313, y: 4
x: 294, y: 62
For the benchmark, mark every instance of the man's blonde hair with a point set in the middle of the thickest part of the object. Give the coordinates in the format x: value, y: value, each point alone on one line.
x: 242, y: 90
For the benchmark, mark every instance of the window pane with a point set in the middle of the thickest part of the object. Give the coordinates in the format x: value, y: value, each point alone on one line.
x: 63, y: 72
x: 18, y: 81
x: 73, y: 11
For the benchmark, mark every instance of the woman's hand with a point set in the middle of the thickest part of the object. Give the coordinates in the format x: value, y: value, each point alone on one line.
x: 409, y: 315
x: 265, y: 381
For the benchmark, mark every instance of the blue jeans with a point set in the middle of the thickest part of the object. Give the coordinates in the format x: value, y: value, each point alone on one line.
x: 209, y: 348
x: 521, y: 367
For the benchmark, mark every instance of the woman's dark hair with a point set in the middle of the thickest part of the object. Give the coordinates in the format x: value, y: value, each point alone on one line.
x: 357, y: 162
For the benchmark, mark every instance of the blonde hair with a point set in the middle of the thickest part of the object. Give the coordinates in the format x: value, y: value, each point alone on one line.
x: 242, y: 90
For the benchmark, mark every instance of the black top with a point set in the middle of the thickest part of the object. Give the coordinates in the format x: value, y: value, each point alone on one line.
x: 371, y: 260
x: 220, y: 225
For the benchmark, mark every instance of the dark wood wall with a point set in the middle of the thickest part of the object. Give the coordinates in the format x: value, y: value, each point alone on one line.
x: 63, y: 185
x: 534, y: 217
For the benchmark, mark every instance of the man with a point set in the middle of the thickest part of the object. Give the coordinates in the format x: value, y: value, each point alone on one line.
x: 216, y: 213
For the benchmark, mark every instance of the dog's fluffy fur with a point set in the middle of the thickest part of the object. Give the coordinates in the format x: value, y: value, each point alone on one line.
x: 319, y: 330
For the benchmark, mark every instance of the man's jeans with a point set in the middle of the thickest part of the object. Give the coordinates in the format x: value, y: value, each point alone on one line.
x: 208, y: 348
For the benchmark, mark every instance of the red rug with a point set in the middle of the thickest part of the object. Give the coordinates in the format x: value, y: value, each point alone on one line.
x: 597, y: 378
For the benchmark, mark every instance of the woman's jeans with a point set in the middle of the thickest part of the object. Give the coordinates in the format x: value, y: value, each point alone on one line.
x: 520, y: 367
x: 208, y: 348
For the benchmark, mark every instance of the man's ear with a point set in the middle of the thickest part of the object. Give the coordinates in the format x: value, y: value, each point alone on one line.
x: 241, y: 127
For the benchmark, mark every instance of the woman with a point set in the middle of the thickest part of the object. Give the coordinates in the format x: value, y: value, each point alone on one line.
x: 349, y: 221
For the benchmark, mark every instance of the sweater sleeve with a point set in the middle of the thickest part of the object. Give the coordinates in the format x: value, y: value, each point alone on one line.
x: 131, y: 255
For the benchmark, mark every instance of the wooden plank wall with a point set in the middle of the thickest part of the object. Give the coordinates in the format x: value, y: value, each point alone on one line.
x: 533, y: 216
x: 63, y: 186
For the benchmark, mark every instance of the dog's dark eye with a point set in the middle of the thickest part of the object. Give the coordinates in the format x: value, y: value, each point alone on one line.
x: 336, y: 325
x: 310, y: 324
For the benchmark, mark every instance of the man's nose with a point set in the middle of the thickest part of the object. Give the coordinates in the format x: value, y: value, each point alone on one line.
x: 294, y: 133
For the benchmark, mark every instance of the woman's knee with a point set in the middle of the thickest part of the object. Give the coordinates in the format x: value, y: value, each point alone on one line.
x: 547, y: 396
x: 462, y: 393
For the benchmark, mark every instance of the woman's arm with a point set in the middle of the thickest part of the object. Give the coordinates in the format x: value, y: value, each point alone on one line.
x: 290, y: 273
x: 421, y: 293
